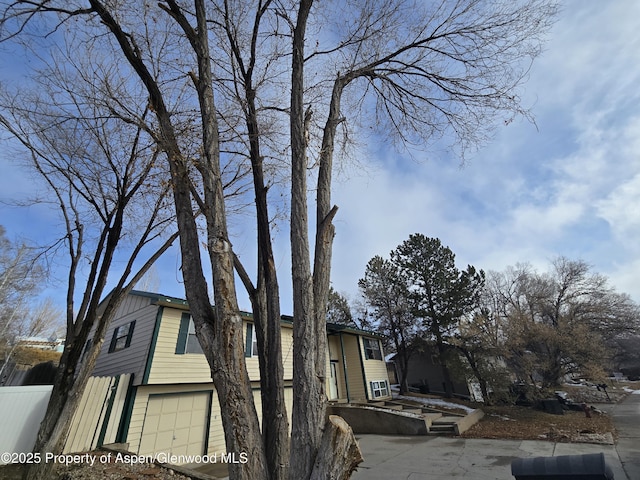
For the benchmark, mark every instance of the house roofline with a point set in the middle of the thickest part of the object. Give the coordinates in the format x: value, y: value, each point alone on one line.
x: 182, y: 304
x: 337, y: 328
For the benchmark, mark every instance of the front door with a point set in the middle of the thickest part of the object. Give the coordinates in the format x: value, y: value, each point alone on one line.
x: 333, y: 381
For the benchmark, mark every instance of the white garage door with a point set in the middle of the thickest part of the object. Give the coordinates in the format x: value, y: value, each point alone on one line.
x: 176, y: 424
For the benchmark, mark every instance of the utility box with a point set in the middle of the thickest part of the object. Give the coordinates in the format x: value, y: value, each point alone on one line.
x: 574, y: 467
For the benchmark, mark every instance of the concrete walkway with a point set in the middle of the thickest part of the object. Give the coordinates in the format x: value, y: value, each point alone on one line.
x: 626, y: 418
x: 439, y: 458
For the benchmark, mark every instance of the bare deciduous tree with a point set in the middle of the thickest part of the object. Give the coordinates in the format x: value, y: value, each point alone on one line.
x: 21, y: 274
x: 272, y: 82
x: 560, y: 323
x: 111, y: 196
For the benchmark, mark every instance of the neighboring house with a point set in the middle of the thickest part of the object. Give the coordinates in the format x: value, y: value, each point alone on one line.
x: 357, y: 370
x: 52, y: 343
x: 425, y: 373
x: 171, y: 404
x: 26, y: 354
x: 391, y: 369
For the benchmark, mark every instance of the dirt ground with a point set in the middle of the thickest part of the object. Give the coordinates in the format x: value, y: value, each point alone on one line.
x: 525, y: 423
x: 522, y: 423
x: 99, y: 471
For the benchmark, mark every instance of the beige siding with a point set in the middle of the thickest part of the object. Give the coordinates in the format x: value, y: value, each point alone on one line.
x: 287, y: 351
x: 253, y: 368
x: 359, y: 371
x: 288, y: 401
x: 168, y: 367
x: 93, y: 412
x: 374, y: 370
x: 133, y: 358
x: 216, y: 432
x: 354, y: 368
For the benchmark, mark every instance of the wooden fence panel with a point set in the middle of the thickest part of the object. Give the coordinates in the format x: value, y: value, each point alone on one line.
x: 103, y: 401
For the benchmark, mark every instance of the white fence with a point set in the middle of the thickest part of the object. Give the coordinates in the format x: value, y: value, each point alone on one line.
x: 21, y: 411
x: 95, y: 422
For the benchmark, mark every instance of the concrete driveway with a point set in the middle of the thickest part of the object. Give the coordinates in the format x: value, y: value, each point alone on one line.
x: 419, y: 457
x: 439, y: 458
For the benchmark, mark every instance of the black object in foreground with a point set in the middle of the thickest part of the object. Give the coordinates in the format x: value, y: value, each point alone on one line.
x: 583, y: 467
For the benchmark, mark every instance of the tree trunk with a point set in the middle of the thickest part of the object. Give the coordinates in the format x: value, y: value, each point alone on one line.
x: 309, y: 400
x: 404, y: 387
x: 475, y: 368
x: 446, y: 374
x: 67, y: 391
x: 267, y: 317
x: 339, y: 453
x: 55, y: 426
x: 275, y: 424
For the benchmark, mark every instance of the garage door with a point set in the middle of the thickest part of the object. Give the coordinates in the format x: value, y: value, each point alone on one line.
x: 176, y: 424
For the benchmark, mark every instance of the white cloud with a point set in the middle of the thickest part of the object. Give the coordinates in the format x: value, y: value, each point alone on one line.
x: 532, y: 194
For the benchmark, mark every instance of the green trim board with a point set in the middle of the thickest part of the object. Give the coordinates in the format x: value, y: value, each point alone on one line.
x: 183, y: 333
x: 344, y: 367
x: 364, y: 374
x: 152, y: 346
x: 107, y: 415
x: 125, y: 420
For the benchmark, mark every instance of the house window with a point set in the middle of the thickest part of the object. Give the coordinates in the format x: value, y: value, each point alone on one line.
x: 380, y: 388
x: 121, y: 338
x: 251, y: 344
x: 187, y: 339
x: 372, y: 349
x: 87, y: 347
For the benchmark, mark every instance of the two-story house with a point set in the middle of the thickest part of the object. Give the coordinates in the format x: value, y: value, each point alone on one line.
x: 171, y: 405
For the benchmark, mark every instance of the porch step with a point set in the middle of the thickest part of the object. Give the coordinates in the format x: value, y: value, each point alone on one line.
x: 442, y: 428
x: 381, y: 418
x: 446, y: 420
x: 443, y: 425
x: 431, y: 417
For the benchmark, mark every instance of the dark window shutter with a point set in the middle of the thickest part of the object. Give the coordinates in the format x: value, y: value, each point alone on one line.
x: 114, y: 338
x: 130, y: 334
x: 181, y: 346
x: 248, y: 345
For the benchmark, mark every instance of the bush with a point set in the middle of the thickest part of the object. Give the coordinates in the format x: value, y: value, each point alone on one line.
x: 41, y: 374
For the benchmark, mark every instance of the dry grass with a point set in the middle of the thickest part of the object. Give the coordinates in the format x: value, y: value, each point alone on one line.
x: 524, y: 423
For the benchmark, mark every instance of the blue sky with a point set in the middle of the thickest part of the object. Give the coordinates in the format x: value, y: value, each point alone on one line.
x: 569, y: 185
